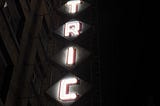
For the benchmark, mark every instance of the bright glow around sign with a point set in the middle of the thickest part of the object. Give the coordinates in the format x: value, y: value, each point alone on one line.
x: 64, y: 92
x: 71, y: 56
x: 72, y: 29
x: 68, y: 90
x: 73, y: 6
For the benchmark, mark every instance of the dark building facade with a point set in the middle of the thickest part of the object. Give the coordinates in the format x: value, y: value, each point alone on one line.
x: 111, y: 47
x: 27, y: 48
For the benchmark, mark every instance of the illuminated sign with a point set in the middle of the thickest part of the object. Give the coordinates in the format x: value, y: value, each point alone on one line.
x: 72, y: 29
x: 73, y: 6
x: 71, y: 56
x: 64, y: 89
x: 68, y: 89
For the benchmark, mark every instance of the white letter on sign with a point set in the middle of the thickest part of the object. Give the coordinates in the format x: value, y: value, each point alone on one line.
x: 71, y: 56
x: 73, y: 6
x: 72, y: 28
x: 64, y: 91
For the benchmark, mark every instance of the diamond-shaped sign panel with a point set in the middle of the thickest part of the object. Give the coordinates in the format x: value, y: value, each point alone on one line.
x: 72, y: 29
x: 73, y: 7
x: 70, y: 56
x: 68, y: 90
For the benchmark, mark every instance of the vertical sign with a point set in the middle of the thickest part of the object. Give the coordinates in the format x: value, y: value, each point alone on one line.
x: 73, y: 6
x: 72, y: 29
x: 69, y: 89
x: 71, y: 56
x: 64, y: 89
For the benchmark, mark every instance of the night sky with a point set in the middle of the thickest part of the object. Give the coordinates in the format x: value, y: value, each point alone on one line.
x: 121, y: 34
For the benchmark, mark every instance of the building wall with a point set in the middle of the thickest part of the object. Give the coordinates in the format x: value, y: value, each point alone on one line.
x: 27, y: 33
